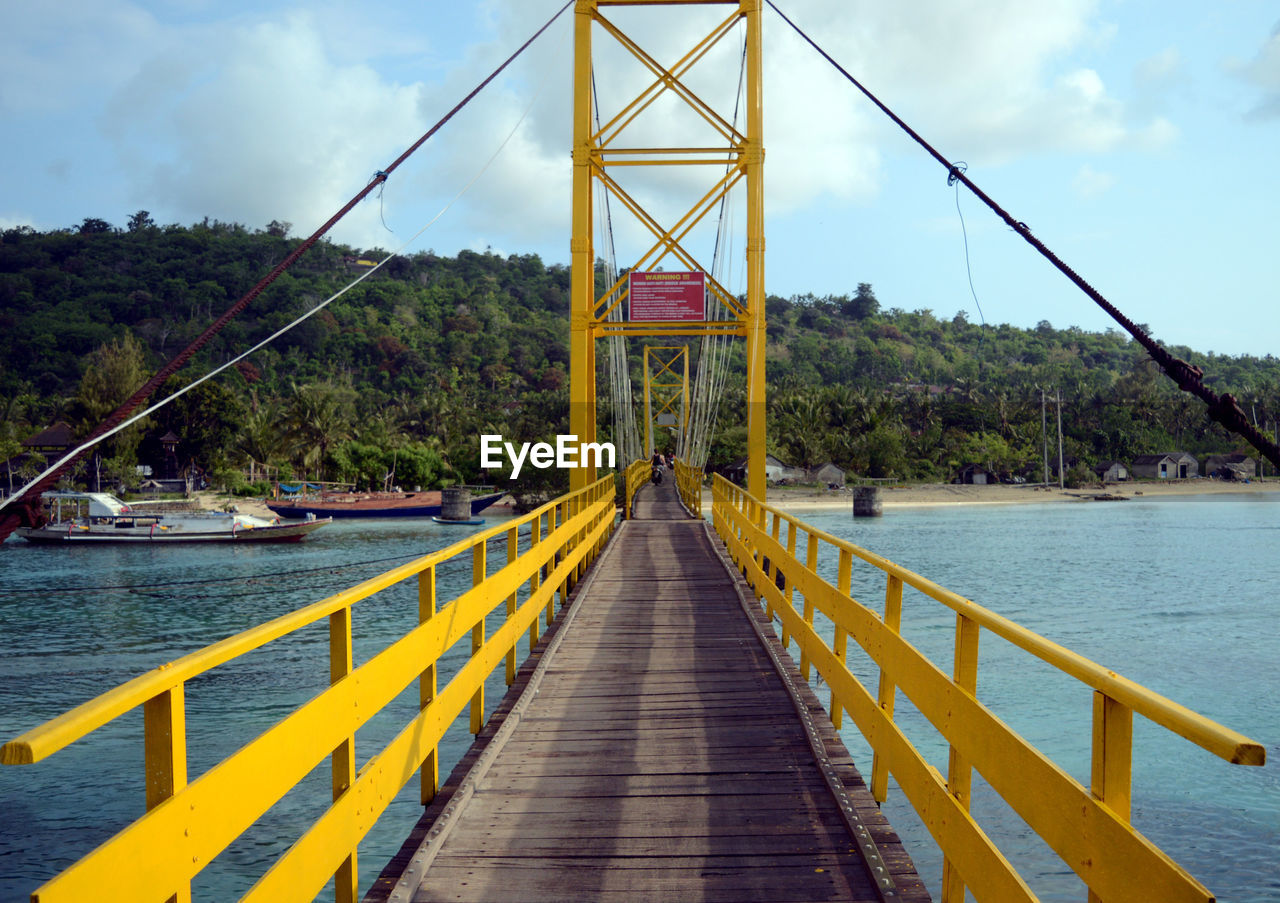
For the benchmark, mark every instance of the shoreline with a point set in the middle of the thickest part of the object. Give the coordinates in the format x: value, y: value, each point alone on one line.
x: 934, y: 495
x: 212, y: 500
x: 920, y: 495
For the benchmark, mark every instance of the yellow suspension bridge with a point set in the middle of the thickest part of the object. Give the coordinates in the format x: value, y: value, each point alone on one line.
x: 659, y: 741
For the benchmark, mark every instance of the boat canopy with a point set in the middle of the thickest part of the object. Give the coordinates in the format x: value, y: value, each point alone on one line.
x: 298, y: 487
x: 101, y: 504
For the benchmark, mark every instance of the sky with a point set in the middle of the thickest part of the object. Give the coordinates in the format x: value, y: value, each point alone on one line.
x: 1138, y: 139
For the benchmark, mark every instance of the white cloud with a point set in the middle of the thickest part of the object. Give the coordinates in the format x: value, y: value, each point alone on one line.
x: 271, y: 114
x: 14, y: 221
x: 1264, y: 73
x: 49, y: 60
x: 982, y: 79
x: 251, y: 123
x: 1090, y: 183
x: 986, y: 80
x: 1161, y: 69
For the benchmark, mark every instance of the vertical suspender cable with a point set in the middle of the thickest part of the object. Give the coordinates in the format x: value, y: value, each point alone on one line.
x: 625, y: 433
x: 713, y: 357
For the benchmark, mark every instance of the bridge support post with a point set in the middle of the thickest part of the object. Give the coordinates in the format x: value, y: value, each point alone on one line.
x: 343, y: 760
x: 164, y: 720
x: 478, y: 574
x: 427, y: 686
x: 1111, y: 772
x: 959, y: 771
x: 888, y: 692
x: 582, y: 358
x: 756, y: 414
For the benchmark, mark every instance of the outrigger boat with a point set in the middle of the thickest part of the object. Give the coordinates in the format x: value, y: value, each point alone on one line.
x: 107, y: 519
x: 375, y: 504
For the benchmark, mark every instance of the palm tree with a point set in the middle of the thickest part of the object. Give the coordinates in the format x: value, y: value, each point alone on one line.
x: 319, y: 415
x: 262, y: 436
x: 802, y: 425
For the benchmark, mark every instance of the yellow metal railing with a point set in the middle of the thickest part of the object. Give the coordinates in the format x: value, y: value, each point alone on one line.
x: 1088, y: 827
x: 637, y: 474
x: 689, y: 485
x: 188, y: 824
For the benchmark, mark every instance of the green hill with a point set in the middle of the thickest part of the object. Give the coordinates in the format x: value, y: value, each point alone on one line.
x: 404, y: 372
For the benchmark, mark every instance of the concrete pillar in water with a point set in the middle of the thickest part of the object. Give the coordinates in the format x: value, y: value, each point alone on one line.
x: 866, y: 501
x: 455, y: 503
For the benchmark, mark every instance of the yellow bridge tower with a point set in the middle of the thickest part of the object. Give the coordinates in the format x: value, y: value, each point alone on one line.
x: 600, y: 150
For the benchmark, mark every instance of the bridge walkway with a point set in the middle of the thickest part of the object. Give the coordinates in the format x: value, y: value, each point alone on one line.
x: 653, y: 751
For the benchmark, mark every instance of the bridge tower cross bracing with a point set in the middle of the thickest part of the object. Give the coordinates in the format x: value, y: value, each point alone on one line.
x: 666, y: 391
x: 742, y: 160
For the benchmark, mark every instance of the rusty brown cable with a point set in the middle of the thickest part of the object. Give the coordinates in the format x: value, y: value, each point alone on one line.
x: 26, y: 512
x: 1223, y: 408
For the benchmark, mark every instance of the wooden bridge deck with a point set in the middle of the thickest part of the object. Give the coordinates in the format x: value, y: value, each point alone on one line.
x: 655, y: 753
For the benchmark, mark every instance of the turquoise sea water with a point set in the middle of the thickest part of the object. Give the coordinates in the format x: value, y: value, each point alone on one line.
x: 78, y: 621
x: 1178, y: 594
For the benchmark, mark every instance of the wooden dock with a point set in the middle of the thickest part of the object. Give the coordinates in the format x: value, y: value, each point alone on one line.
x: 656, y: 747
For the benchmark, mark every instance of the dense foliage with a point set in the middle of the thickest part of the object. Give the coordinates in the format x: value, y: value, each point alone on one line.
x: 395, y: 380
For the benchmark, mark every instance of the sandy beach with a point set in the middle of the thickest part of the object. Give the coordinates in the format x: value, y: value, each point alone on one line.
x: 218, y: 501
x: 906, y: 495
x: 940, y: 494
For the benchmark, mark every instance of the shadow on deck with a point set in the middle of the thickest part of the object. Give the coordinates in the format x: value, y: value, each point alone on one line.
x: 651, y: 749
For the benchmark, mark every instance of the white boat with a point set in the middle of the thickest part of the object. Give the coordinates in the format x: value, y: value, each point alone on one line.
x: 98, y: 517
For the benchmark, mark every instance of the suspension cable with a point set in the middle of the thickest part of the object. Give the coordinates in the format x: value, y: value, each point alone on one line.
x: 12, y: 514
x: 626, y: 435
x: 713, y: 355
x: 59, y: 465
x: 1222, y: 408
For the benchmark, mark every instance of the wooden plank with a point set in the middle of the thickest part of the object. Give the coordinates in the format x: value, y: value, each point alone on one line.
x: 637, y: 816
x: 632, y: 767
x: 660, y: 758
x: 743, y: 784
x: 727, y: 880
x: 621, y: 739
x: 811, y: 841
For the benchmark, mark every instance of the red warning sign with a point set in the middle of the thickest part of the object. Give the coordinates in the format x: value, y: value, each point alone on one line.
x: 667, y: 296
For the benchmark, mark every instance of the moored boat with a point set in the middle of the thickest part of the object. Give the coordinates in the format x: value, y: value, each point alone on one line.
x: 99, y: 517
x: 375, y: 504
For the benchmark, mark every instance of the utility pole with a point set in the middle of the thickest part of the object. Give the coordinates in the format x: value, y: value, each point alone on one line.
x: 1044, y: 435
x: 1061, y: 483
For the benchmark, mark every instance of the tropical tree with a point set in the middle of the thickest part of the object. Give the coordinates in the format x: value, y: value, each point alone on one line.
x: 319, y: 416
x: 262, y: 437
x: 112, y: 373
x: 801, y: 425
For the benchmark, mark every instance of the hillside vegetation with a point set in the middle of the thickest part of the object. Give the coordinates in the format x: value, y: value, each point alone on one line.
x: 403, y: 373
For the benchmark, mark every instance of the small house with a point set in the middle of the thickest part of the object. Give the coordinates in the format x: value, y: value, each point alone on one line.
x: 1111, y: 471
x: 1166, y: 466
x: 828, y: 474
x: 1231, y: 467
x: 975, y: 474
x: 169, y: 469
x: 55, y: 441
x: 775, y: 471
x: 38, y: 450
